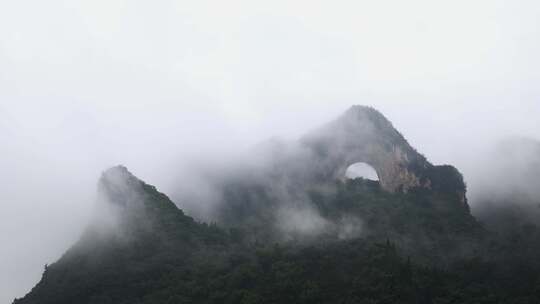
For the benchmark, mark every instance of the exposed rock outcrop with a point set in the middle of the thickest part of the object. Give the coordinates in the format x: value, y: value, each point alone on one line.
x: 362, y: 134
x: 143, y: 249
x: 292, y: 177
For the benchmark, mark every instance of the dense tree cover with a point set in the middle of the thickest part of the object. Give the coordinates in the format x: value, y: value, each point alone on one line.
x: 344, y: 272
x: 416, y: 248
x: 424, y: 222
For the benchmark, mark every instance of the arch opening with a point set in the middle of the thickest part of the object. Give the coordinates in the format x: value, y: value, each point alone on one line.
x: 361, y: 170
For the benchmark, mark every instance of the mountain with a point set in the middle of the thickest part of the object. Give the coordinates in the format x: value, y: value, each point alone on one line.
x: 299, y: 190
x: 290, y: 228
x: 362, y: 134
x: 138, y: 237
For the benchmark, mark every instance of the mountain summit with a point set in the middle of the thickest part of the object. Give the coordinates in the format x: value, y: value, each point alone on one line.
x: 301, y: 179
x: 137, y: 236
x: 363, y: 134
x: 290, y: 230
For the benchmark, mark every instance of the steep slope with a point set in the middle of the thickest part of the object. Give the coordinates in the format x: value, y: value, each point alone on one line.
x: 290, y: 231
x: 300, y: 180
x: 362, y: 134
x: 138, y: 238
x: 157, y: 255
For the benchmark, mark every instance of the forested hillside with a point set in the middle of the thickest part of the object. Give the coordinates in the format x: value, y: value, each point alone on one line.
x: 297, y: 231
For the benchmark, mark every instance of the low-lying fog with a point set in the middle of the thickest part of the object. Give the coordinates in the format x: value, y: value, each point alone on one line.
x: 161, y: 85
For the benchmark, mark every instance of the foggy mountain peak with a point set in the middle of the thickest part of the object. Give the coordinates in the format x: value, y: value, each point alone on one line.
x: 363, y: 134
x: 118, y: 176
x: 301, y: 198
x: 119, y: 186
x: 289, y: 178
x: 362, y: 112
x: 182, y: 93
x: 133, y: 205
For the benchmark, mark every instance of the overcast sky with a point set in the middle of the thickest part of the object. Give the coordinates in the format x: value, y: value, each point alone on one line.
x: 154, y: 84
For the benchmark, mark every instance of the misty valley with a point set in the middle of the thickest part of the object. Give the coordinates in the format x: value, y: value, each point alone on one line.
x: 349, y: 213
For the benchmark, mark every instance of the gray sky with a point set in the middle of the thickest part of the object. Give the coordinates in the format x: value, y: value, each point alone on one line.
x: 154, y: 84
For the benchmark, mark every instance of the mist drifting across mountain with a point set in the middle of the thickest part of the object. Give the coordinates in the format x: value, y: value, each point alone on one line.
x: 159, y: 86
x: 272, y: 224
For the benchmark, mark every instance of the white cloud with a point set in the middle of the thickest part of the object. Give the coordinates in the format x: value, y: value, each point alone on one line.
x: 88, y: 84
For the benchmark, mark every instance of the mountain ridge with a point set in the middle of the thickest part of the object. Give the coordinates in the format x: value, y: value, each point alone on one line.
x: 276, y: 228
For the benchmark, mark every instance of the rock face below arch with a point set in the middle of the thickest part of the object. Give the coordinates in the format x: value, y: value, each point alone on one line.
x: 362, y: 134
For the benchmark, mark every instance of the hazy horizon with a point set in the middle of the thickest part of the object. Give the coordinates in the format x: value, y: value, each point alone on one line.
x: 85, y: 85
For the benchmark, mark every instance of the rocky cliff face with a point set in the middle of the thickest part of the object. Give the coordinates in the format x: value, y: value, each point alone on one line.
x: 139, y: 236
x: 143, y: 249
x: 362, y: 134
x: 290, y: 178
x: 130, y: 206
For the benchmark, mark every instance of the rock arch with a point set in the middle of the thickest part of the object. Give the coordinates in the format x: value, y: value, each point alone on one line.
x: 362, y: 134
x: 361, y: 169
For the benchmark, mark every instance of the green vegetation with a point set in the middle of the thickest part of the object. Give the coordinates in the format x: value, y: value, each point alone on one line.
x: 415, y: 248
